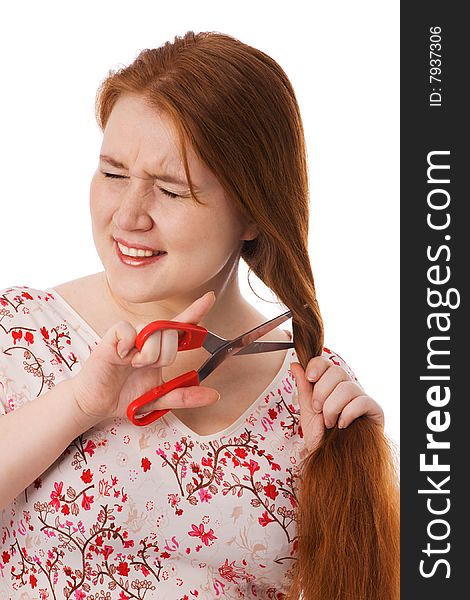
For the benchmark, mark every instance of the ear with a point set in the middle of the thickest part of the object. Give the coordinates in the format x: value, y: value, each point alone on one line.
x: 251, y: 231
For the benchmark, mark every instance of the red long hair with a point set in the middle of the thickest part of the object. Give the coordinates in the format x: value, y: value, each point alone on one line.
x: 236, y: 107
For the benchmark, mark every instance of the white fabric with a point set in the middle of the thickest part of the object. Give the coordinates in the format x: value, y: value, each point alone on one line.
x: 145, y: 512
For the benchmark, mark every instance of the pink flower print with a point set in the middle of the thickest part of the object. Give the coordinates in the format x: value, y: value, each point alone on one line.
x: 27, y: 295
x: 265, y: 519
x: 253, y: 466
x: 45, y: 333
x: 218, y: 475
x: 107, y: 550
x: 86, y: 476
x: 229, y: 572
x: 204, y: 495
x: 49, y: 533
x: 173, y: 499
x: 272, y: 412
x: 56, y: 494
x: 145, y: 464
x: 205, y: 536
x: 270, y: 491
x: 17, y: 335
x: 90, y: 448
x: 104, y: 487
x: 79, y: 595
x: 287, y: 386
x: 174, y: 544
x: 178, y: 447
x: 241, y: 452
x: 21, y: 528
x: 29, y: 338
x: 86, y: 501
x: 265, y: 422
x: 123, y: 569
x: 219, y: 588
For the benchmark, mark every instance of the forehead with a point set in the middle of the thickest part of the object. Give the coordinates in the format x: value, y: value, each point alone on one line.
x: 145, y: 139
x: 136, y: 131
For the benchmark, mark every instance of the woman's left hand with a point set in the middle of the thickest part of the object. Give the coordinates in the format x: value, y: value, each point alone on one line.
x: 330, y: 397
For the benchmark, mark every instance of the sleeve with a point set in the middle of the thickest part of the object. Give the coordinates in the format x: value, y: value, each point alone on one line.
x: 15, y: 339
x: 337, y: 360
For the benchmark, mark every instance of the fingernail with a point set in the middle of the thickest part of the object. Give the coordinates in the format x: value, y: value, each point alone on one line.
x: 317, y: 405
x: 312, y: 375
x: 123, y: 353
x: 138, y: 365
x: 340, y: 424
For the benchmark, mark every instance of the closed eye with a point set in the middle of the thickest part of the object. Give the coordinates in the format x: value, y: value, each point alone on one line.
x: 114, y: 176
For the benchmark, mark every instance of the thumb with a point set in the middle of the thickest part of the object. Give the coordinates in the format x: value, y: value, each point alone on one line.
x: 196, y: 311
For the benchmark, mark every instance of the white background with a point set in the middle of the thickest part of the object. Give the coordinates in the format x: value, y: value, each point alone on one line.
x: 343, y: 61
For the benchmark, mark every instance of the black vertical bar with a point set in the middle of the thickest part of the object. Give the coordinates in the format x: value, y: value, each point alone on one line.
x: 435, y: 250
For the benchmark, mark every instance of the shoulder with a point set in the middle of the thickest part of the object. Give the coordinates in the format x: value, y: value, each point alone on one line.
x: 20, y: 310
x: 39, y: 344
x: 21, y: 301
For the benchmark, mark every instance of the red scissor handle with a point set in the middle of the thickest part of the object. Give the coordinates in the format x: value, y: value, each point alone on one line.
x: 193, y: 337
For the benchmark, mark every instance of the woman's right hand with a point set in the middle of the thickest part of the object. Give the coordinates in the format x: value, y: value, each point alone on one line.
x: 107, y: 383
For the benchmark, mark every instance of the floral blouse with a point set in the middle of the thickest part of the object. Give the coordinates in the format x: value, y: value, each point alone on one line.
x: 145, y: 512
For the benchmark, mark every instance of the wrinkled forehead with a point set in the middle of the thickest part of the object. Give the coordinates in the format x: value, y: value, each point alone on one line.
x: 140, y: 135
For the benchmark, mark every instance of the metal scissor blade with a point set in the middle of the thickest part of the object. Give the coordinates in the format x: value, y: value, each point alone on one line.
x: 213, y: 342
x: 240, y: 342
x: 250, y: 336
x: 265, y: 346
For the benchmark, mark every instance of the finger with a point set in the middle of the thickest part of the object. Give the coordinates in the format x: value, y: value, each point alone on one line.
x: 326, y: 383
x: 150, y: 350
x: 304, y: 388
x: 361, y: 405
x: 316, y: 366
x: 343, y: 393
x: 196, y: 311
x: 311, y: 421
x: 168, y: 348
x: 159, y: 350
x: 163, y: 349
x: 120, y: 341
x: 185, y: 397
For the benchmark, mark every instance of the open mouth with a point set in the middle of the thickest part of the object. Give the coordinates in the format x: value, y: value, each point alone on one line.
x: 134, y: 259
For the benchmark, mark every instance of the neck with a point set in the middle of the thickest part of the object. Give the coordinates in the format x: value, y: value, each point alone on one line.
x: 225, y: 318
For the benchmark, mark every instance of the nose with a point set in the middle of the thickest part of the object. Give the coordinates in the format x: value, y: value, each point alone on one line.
x: 132, y: 211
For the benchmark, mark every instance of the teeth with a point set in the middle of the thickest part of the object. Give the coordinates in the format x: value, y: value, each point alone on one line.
x: 135, y: 252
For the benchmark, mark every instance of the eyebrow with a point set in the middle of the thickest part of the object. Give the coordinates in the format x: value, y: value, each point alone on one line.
x: 165, y: 177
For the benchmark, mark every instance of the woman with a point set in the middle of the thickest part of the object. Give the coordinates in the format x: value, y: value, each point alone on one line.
x: 202, y: 162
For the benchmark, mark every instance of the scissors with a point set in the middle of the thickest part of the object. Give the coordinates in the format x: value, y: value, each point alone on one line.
x: 195, y: 336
